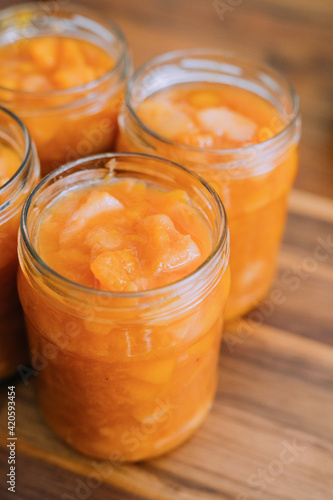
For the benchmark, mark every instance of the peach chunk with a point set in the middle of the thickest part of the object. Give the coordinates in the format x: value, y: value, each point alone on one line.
x: 96, y: 203
x: 72, y: 53
x: 173, y: 249
x: 222, y: 121
x: 182, y: 251
x: 35, y: 83
x: 45, y: 52
x: 165, y: 118
x: 157, y: 229
x: 100, y: 238
x: 113, y: 270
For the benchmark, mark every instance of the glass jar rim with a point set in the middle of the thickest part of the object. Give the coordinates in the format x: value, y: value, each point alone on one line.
x: 184, y: 53
x: 222, y: 240
x: 80, y: 88
x: 27, y: 150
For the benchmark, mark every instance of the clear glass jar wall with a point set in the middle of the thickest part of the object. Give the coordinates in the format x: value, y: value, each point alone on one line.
x: 253, y: 181
x: 15, y: 147
x: 119, y: 364
x: 70, y: 120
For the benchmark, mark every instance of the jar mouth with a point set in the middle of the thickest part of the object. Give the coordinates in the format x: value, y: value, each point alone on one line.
x: 222, y: 236
x: 26, y: 155
x: 205, y: 54
x: 77, y: 9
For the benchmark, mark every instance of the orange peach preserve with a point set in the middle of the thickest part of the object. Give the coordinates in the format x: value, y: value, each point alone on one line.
x: 9, y: 163
x: 13, y: 348
x: 130, y: 382
x: 220, y: 117
x: 35, y: 74
x: 108, y: 239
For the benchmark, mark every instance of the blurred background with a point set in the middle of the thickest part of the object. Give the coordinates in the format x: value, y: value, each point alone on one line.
x: 294, y: 36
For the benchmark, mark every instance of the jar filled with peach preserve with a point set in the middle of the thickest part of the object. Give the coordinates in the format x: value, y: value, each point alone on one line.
x: 19, y: 173
x: 63, y: 70
x: 123, y: 282
x: 236, y: 123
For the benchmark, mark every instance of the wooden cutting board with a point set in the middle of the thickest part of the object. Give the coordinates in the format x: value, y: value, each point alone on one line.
x: 270, y: 432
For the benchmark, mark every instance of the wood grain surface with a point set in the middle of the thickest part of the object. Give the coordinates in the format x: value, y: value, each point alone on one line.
x: 270, y: 433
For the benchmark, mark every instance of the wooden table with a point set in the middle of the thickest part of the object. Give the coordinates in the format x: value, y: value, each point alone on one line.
x: 270, y: 433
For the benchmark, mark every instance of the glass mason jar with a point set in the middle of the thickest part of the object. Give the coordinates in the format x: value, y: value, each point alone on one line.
x: 129, y: 374
x: 253, y: 181
x: 15, y: 138
x: 78, y: 121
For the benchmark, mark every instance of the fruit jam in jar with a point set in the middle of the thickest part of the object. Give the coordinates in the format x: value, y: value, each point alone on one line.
x: 235, y: 123
x: 124, y: 276
x: 63, y: 71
